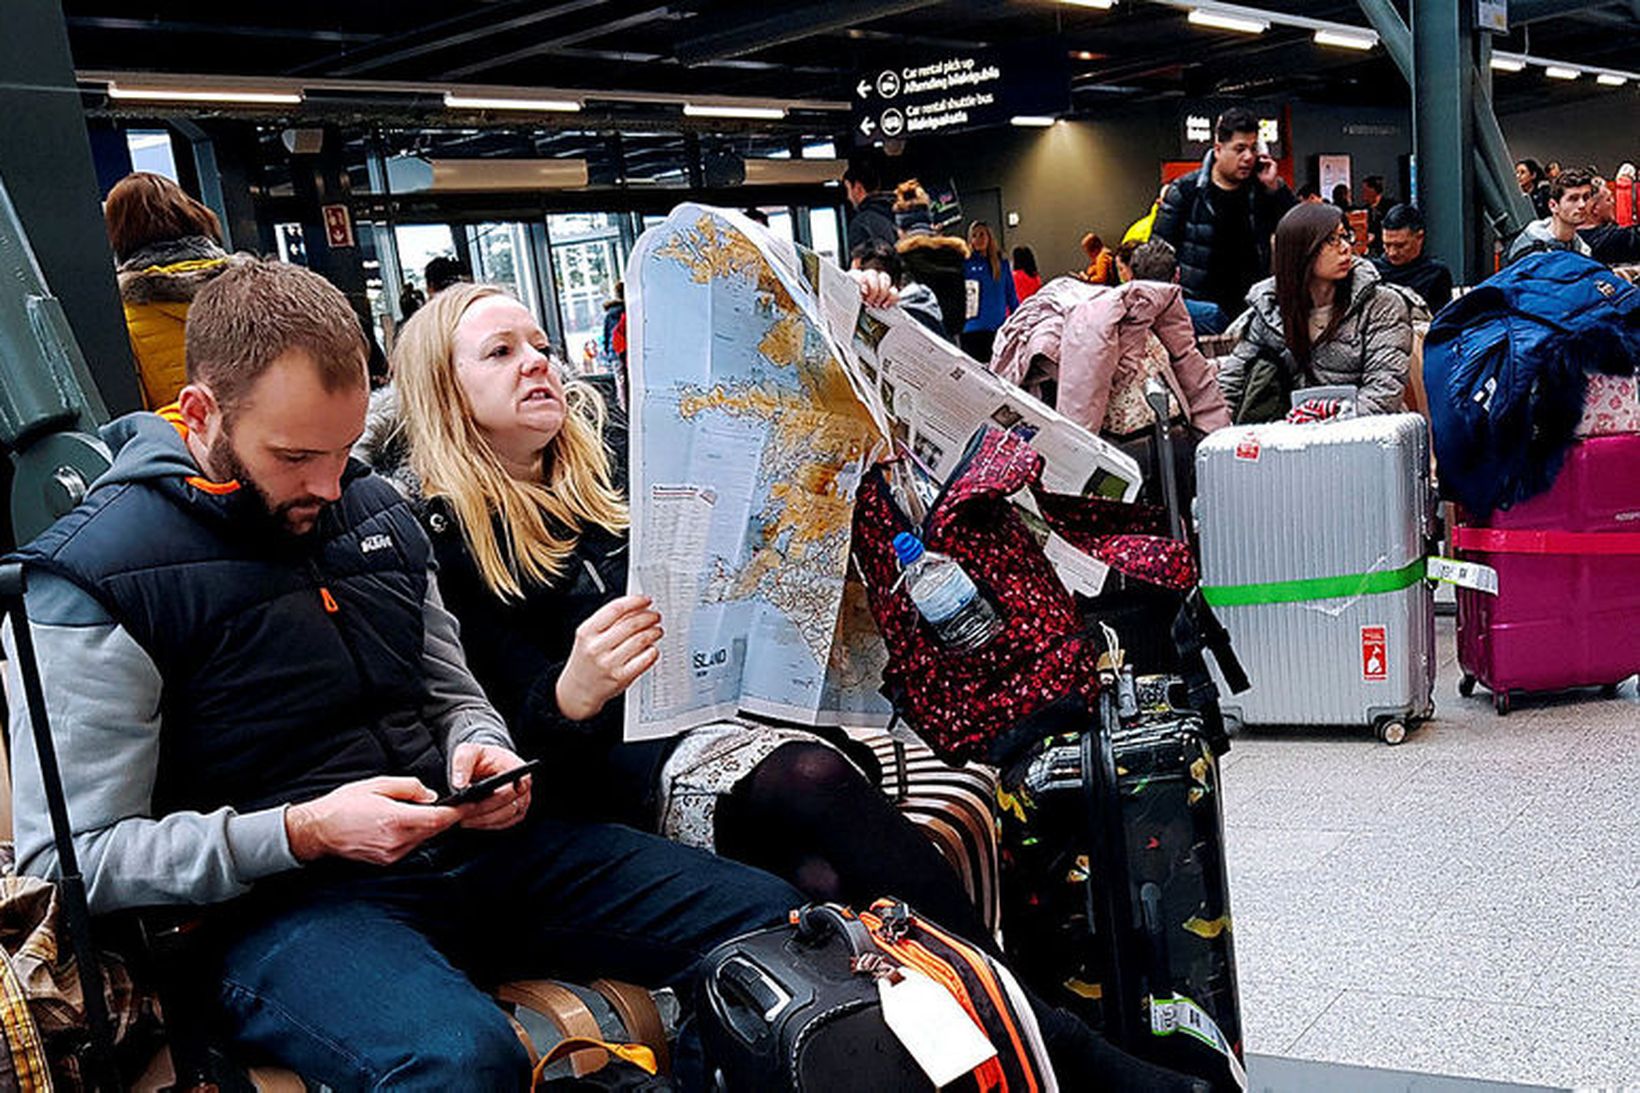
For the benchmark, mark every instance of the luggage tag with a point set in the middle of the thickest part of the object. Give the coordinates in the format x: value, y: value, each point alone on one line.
x: 1472, y: 575
x: 933, y: 1026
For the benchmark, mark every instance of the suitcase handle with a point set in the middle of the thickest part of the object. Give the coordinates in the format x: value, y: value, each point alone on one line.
x: 819, y: 921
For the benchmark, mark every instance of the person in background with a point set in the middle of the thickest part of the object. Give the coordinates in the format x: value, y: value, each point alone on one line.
x: 1534, y: 184
x: 410, y: 299
x: 1623, y: 187
x: 167, y: 247
x: 873, y: 208
x: 442, y: 272
x: 1219, y: 219
x: 989, y: 283
x: 1551, y: 170
x: 1372, y: 197
x: 1026, y: 278
x: 930, y: 258
x: 1155, y: 261
x: 1609, y: 242
x: 1341, y: 197
x: 1139, y: 231
x: 1325, y: 312
x: 1405, y: 263
x: 916, y: 298
x: 1309, y: 194
x: 1570, y: 195
x: 614, y: 316
x: 1124, y: 260
x: 1100, y: 260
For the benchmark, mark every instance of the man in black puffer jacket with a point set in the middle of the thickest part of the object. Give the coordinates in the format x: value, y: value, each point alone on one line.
x: 257, y: 695
x: 1221, y: 218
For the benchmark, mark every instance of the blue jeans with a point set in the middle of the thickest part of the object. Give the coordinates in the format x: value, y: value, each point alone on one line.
x: 364, y: 978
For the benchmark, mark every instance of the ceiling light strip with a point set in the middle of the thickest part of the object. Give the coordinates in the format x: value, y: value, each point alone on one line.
x: 247, y: 96
x: 721, y: 110
x: 219, y: 87
x: 1563, y: 70
x: 455, y: 101
x: 1219, y: 20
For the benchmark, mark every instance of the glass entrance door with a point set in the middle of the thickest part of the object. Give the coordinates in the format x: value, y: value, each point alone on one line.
x: 587, y: 261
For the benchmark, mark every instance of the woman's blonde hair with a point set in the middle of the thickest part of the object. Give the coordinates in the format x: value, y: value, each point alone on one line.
x: 540, y: 522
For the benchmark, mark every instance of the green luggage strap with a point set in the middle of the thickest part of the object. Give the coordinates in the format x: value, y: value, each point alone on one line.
x: 1316, y: 588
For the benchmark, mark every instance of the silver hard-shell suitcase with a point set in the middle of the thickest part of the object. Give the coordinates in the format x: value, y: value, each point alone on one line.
x: 1313, y: 541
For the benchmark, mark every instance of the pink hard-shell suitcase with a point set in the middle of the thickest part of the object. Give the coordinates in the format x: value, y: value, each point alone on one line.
x: 1568, y: 564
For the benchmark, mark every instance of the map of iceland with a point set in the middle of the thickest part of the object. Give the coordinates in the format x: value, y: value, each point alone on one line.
x: 742, y: 395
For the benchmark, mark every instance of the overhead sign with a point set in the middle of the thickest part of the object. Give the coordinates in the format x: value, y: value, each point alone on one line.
x: 957, y: 91
x: 1492, y: 16
x: 1197, y: 119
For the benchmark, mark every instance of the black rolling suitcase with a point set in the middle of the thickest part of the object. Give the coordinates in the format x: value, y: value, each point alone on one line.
x: 797, y: 1008
x: 1116, y: 899
x: 1115, y: 894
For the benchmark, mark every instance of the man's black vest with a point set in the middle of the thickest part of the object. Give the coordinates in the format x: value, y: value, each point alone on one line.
x: 290, y: 666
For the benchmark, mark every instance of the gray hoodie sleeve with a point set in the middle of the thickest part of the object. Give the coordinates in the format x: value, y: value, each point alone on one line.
x: 103, y: 695
x: 456, y: 705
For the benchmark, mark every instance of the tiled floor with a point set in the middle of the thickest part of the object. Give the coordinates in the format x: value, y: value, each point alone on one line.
x: 1467, y: 903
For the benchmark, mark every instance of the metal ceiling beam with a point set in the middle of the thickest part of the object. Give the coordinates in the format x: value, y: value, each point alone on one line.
x: 471, y: 26
x: 177, y: 26
x: 738, y: 37
x: 1532, y: 11
x: 638, y: 14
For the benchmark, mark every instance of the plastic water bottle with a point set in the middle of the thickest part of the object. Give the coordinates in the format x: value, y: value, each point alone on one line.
x: 945, y: 595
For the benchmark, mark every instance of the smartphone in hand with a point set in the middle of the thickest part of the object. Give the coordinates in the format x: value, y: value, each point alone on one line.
x: 484, y: 787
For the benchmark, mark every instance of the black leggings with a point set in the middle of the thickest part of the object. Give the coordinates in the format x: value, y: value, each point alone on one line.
x: 806, y: 814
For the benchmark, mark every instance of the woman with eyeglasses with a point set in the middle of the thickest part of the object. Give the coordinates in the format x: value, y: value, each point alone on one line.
x: 1323, y: 319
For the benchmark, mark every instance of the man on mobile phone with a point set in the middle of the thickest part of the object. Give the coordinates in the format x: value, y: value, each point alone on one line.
x: 1220, y: 219
x: 257, y: 696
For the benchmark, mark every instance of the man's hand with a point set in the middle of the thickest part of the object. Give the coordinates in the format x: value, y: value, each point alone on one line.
x: 613, y: 647
x: 876, y: 290
x: 1266, y: 172
x: 377, y: 820
x: 503, y: 808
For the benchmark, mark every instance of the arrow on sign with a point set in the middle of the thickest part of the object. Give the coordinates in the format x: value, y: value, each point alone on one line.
x: 867, y: 126
x: 863, y: 89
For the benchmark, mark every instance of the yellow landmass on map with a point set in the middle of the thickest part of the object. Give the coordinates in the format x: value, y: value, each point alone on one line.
x: 820, y: 431
x: 783, y: 344
x: 711, y: 250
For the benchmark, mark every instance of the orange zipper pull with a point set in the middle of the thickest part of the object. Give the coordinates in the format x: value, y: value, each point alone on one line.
x: 331, y: 606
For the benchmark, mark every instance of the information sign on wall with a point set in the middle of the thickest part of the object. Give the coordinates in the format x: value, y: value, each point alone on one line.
x: 338, y: 225
x: 1332, y: 171
x: 1492, y: 16
x: 1197, y: 120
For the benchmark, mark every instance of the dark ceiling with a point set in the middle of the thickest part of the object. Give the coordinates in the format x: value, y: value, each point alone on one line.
x: 807, y: 49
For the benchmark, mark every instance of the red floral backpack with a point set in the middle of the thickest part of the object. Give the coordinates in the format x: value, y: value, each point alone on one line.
x: 968, y: 704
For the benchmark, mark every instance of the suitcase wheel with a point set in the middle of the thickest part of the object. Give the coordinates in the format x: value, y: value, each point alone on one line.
x: 1392, y: 732
x: 1466, y: 685
x: 1500, y: 702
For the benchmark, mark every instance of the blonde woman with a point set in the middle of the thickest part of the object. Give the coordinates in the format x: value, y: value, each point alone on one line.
x: 522, y: 480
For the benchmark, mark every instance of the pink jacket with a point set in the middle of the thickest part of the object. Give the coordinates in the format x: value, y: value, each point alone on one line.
x: 1034, y: 329
x: 1104, y: 340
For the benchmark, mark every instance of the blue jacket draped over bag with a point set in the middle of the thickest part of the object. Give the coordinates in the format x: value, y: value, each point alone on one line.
x: 1506, y: 369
